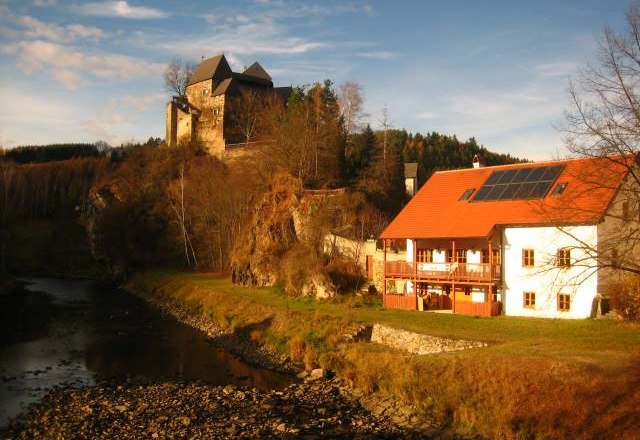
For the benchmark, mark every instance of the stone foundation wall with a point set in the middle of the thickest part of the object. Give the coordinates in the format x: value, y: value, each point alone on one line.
x: 417, y: 343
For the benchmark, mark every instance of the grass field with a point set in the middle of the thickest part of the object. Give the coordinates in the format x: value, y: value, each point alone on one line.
x: 538, y: 378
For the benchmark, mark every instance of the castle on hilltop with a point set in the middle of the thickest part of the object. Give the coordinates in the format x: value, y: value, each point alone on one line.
x: 205, y: 112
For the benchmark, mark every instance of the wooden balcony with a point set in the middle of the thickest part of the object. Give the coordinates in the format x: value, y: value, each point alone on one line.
x: 443, y: 272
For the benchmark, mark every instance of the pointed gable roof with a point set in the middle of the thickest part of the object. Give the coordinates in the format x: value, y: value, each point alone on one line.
x: 438, y: 210
x: 216, y: 68
x: 257, y: 71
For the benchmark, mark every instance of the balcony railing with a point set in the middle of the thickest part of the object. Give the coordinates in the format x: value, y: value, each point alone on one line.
x: 443, y: 271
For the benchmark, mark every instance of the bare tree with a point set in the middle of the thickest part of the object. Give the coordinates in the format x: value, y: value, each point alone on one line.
x: 248, y: 115
x: 350, y: 101
x: 176, y: 76
x: 384, y: 122
x: 604, y: 123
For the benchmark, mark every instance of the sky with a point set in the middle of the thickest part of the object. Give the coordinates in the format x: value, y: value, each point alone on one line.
x: 73, y: 71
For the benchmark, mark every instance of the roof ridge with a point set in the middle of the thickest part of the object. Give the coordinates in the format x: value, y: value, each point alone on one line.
x: 523, y: 164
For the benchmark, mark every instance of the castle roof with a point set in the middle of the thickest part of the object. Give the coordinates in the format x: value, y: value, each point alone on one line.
x: 218, y: 69
x: 212, y: 68
x: 256, y: 70
x: 472, y: 202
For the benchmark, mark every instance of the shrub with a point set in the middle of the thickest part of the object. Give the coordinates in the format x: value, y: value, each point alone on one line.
x: 625, y: 297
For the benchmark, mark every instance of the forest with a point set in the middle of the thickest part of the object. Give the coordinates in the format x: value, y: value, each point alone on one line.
x: 100, y: 210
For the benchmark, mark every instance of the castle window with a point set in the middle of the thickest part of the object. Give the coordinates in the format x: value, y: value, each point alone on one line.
x: 205, y: 92
x: 216, y: 112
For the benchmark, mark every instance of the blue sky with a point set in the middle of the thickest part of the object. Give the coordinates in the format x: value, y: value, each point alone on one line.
x: 497, y: 70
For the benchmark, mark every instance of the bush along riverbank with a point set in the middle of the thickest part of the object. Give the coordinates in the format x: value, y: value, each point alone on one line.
x: 525, y: 383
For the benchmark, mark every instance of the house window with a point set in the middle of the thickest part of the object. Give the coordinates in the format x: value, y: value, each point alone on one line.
x: 625, y: 211
x: 496, y: 256
x: 529, y: 300
x: 563, y: 258
x: 564, y: 302
x: 528, y: 258
x: 467, y: 291
x: 559, y: 189
x: 461, y: 255
x: 466, y: 194
x: 424, y: 256
x: 615, y: 262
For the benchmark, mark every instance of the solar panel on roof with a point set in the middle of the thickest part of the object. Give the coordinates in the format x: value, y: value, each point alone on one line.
x: 518, y: 184
x: 540, y: 190
x: 536, y: 174
x: 482, y: 193
x: 494, y: 177
x: 552, y: 173
x: 522, y: 174
x: 496, y: 192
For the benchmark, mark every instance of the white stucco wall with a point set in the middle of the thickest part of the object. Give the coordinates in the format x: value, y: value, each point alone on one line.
x: 545, y: 279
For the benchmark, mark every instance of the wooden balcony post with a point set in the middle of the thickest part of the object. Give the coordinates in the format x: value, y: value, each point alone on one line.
x: 384, y: 268
x: 453, y: 304
x: 490, y: 261
x: 415, y: 273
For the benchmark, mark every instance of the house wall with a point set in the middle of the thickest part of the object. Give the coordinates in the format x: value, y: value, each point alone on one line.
x: 545, y: 279
x: 612, y: 232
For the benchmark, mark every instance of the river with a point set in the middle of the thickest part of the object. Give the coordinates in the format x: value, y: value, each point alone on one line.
x: 79, y: 332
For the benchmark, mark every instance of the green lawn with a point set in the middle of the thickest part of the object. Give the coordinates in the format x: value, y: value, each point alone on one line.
x: 552, y: 337
x: 534, y: 373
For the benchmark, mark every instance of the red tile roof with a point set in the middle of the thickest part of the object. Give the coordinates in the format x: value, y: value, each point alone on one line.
x: 436, y: 212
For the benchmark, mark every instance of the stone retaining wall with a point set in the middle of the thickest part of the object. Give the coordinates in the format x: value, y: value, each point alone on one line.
x: 417, y: 343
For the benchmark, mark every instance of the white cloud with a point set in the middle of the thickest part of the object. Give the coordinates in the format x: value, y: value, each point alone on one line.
x: 35, y: 28
x: 120, y: 9
x: 557, y: 68
x: 380, y: 55
x: 29, y: 116
x: 43, y: 3
x: 144, y: 103
x: 427, y: 115
x: 68, y: 65
x: 68, y: 78
x: 107, y: 125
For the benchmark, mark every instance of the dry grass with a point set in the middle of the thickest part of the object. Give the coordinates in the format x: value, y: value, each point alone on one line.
x: 538, y: 378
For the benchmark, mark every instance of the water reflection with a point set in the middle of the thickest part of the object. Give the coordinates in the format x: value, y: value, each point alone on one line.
x: 79, y: 332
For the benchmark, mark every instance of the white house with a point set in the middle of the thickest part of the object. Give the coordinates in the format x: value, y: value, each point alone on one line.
x: 525, y: 239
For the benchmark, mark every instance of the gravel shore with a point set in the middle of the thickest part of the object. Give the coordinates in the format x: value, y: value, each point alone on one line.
x: 314, y: 409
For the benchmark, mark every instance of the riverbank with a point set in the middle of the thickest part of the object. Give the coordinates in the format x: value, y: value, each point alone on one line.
x: 249, y: 341
x: 316, y: 409
x: 536, y: 378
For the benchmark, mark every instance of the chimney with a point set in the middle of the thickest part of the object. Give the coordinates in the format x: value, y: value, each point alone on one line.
x: 478, y: 161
